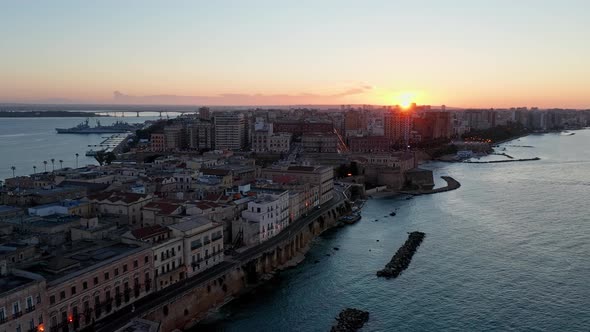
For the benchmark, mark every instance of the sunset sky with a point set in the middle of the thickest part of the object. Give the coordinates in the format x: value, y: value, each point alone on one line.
x: 463, y: 53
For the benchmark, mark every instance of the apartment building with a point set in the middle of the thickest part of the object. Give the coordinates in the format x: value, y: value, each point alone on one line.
x: 202, y: 243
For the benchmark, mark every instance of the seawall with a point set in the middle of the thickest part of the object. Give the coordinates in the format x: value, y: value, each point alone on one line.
x: 185, y: 305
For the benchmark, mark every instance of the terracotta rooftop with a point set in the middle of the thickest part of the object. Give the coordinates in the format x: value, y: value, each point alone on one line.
x: 163, y: 207
x: 117, y: 196
x: 149, y: 231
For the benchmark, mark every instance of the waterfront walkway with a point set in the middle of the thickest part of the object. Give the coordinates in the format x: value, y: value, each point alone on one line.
x: 142, y: 306
x: 452, y: 184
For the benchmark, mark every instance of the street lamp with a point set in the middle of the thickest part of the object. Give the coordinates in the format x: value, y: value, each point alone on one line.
x: 77, y: 160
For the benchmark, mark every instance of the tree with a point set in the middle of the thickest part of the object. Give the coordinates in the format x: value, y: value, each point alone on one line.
x: 45, y: 164
x: 34, y: 169
x: 77, y: 155
x: 13, y: 169
x: 110, y: 157
x: 100, y: 157
x: 53, y: 164
x: 105, y: 157
x: 61, y: 164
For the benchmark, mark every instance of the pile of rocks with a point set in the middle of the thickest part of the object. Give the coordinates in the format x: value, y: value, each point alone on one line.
x: 402, y: 258
x: 350, y: 320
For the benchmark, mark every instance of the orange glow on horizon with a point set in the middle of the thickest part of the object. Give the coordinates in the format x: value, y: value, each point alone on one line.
x: 405, y: 99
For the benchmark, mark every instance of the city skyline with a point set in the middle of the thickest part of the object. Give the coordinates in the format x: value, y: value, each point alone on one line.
x: 458, y: 53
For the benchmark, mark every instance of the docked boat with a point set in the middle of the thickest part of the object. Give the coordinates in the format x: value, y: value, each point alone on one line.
x: 350, y: 219
x: 85, y: 128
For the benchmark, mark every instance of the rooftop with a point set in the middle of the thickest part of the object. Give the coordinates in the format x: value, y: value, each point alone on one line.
x: 162, y: 207
x: 191, y: 222
x: 12, y: 282
x: 149, y: 231
x: 81, y: 257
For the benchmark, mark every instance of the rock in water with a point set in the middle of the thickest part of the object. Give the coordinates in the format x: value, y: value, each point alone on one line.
x: 350, y: 320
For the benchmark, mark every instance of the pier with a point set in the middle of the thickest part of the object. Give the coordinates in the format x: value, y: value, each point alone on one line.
x: 452, y: 184
x: 402, y: 258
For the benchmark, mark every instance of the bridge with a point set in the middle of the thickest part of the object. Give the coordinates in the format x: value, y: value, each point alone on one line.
x: 183, y: 304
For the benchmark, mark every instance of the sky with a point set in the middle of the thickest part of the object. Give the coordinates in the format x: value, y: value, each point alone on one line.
x: 462, y: 53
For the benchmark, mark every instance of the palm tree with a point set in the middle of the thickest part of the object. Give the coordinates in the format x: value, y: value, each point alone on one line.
x: 77, y: 160
x: 53, y: 164
x: 61, y: 164
x: 34, y: 169
x: 45, y: 163
x: 13, y: 169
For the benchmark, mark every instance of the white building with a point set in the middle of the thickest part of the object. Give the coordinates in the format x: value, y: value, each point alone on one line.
x: 202, y: 243
x: 265, y: 217
x: 167, y: 252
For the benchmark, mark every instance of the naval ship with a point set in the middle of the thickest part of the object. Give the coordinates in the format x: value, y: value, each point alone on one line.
x: 85, y: 128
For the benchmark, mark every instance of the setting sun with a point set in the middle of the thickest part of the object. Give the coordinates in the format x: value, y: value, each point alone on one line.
x: 405, y: 99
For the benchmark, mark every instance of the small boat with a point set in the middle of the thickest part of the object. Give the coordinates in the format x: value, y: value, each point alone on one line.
x: 392, y: 214
x: 350, y: 219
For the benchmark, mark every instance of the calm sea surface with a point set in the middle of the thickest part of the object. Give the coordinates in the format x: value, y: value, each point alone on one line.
x: 27, y: 142
x: 508, y: 251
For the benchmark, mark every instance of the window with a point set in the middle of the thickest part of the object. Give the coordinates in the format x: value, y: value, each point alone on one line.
x: 116, y: 272
x: 16, y: 308
x: 146, y: 259
x: 2, y: 314
x: 125, y: 268
x: 85, y: 285
x: 62, y: 295
x: 95, y: 281
x: 73, y: 290
x: 106, y: 276
x: 29, y: 302
x: 135, y: 264
x: 155, y: 258
x: 52, y: 299
x: 196, y: 244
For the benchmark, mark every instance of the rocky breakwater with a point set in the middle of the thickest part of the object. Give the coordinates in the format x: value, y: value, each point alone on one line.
x: 350, y: 320
x: 402, y: 258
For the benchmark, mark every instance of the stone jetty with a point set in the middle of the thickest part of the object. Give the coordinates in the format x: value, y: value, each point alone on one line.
x: 500, y: 161
x: 452, y: 184
x: 402, y: 258
x: 350, y: 320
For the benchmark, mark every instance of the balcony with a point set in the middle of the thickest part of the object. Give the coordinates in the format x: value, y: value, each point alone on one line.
x: 30, y: 309
x: 3, y: 320
x: 17, y: 314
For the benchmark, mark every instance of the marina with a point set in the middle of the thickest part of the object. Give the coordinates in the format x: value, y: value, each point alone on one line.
x: 113, y: 144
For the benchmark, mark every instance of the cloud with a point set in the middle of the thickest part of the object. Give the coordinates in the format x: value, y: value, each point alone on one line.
x: 230, y: 99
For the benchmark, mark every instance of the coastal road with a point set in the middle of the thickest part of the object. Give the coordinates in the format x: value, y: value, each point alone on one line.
x: 119, y: 318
